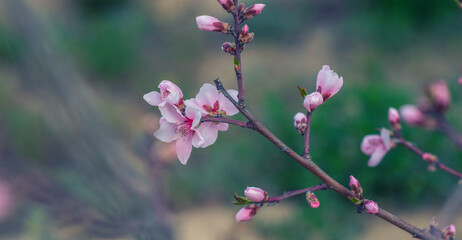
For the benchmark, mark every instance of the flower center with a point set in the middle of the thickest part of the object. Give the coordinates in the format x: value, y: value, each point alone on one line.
x: 215, y: 110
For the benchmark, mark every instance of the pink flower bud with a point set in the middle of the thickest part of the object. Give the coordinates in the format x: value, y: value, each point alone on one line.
x: 449, y: 231
x: 439, y: 94
x: 328, y: 82
x: 429, y: 158
x: 212, y: 24
x: 312, y: 199
x: 300, y: 122
x: 228, y: 47
x: 169, y: 93
x: 371, y: 207
x: 412, y: 115
x: 355, y: 186
x: 246, y: 213
x: 244, y: 30
x: 312, y: 101
x: 255, y: 194
x: 460, y: 80
x: 253, y: 10
x: 393, y: 119
x: 227, y: 5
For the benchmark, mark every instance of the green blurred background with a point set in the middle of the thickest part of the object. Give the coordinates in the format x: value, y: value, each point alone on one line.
x: 77, y: 155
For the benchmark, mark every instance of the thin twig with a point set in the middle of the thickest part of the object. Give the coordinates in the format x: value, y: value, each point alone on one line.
x: 286, y: 195
x: 412, y: 147
x: 237, y: 28
x: 449, y: 130
x: 306, y: 149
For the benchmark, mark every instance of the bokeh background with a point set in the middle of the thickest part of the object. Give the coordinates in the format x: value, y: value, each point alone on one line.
x: 78, y: 159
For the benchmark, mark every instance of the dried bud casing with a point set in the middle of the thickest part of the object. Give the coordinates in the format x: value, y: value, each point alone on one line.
x: 228, y: 47
x: 241, y: 8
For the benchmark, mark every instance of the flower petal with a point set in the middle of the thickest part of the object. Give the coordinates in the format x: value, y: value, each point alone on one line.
x: 209, y: 131
x: 226, y: 105
x: 183, y: 148
x: 208, y: 95
x: 370, y: 143
x: 222, y: 127
x: 166, y: 132
x: 377, y: 156
x: 385, y: 135
x: 153, y: 98
x: 192, y: 103
x: 171, y: 113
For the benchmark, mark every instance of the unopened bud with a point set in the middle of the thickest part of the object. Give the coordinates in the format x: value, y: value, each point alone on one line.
x: 300, y: 121
x: 460, y: 80
x: 449, y: 231
x: 228, y: 47
x: 439, y: 94
x: 429, y: 158
x: 253, y: 10
x: 371, y: 207
x: 227, y: 5
x: 412, y: 115
x: 312, y: 101
x: 393, y: 119
x: 212, y: 24
x: 255, y: 194
x: 246, y: 213
x: 244, y: 35
x: 356, y: 187
x: 312, y: 199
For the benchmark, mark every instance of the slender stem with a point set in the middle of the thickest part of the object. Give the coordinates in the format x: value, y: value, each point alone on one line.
x: 227, y: 120
x: 277, y: 199
x: 306, y: 149
x: 449, y: 131
x: 238, y: 69
x: 308, y: 164
x: 412, y: 147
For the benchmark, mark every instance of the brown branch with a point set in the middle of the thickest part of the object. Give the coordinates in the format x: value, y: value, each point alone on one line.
x: 227, y: 120
x: 446, y: 128
x: 308, y: 164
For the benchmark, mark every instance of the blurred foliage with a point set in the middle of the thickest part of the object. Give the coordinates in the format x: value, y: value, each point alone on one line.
x: 128, y: 48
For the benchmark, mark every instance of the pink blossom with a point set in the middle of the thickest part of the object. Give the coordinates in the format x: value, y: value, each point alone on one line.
x: 412, y: 115
x: 328, y: 82
x: 312, y: 101
x: 393, y: 119
x: 213, y: 104
x: 371, y: 207
x: 300, y: 122
x: 169, y: 93
x: 312, y: 200
x: 212, y: 24
x: 449, y: 231
x: 253, y: 10
x: 185, y: 130
x: 255, y: 194
x: 439, y: 94
x: 227, y: 5
x: 355, y: 186
x: 246, y: 213
x: 376, y: 146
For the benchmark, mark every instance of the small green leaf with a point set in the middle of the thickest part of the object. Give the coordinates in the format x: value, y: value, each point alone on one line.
x: 355, y: 201
x: 302, y: 91
x: 236, y: 62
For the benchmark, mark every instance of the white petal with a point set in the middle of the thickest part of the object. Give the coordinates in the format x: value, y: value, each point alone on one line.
x: 153, y: 98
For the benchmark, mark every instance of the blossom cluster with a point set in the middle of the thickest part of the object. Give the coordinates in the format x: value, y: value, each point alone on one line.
x: 181, y: 120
